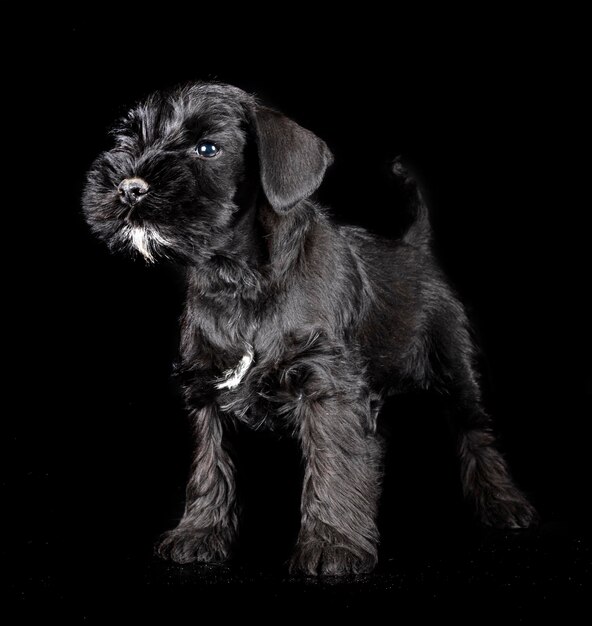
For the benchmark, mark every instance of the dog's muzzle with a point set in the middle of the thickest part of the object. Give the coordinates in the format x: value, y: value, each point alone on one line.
x: 132, y: 190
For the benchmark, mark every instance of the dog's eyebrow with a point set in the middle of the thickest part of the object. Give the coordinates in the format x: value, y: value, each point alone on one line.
x: 193, y: 122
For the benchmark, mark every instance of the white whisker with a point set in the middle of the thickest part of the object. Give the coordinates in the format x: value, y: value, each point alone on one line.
x: 145, y: 239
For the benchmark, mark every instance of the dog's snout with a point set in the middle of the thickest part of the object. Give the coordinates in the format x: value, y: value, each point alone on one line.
x: 131, y: 190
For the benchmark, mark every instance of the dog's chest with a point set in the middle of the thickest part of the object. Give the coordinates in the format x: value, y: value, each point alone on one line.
x: 247, y: 356
x: 250, y: 390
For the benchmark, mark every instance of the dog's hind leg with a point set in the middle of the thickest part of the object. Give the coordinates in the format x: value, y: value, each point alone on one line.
x: 486, y: 478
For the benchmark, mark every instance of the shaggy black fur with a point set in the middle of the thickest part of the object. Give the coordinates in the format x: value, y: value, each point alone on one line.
x: 291, y: 321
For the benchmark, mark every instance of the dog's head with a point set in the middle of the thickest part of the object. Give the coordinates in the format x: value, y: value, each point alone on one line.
x: 186, y: 164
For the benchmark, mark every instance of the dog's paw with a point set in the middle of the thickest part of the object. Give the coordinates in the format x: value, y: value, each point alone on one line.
x: 318, y: 557
x: 515, y: 512
x: 185, y: 545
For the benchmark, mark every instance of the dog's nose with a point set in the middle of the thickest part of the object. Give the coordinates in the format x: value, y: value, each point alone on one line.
x: 131, y: 190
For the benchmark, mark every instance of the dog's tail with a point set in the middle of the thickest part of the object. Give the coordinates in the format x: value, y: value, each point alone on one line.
x: 419, y: 233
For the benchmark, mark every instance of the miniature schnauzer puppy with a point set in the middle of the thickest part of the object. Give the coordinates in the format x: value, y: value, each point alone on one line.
x: 291, y: 321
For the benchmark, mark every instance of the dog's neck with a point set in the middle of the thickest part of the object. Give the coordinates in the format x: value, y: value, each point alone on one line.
x: 264, y: 248
x: 270, y: 243
x: 285, y: 237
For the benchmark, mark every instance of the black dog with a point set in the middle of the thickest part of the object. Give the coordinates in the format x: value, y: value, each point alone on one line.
x: 291, y: 321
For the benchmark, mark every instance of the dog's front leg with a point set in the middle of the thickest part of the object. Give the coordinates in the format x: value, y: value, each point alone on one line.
x: 209, y: 523
x: 341, y: 487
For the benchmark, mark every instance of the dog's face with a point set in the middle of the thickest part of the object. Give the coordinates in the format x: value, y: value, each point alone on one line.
x: 185, y: 165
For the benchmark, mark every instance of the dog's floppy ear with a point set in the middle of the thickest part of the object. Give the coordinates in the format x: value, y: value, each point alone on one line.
x: 292, y: 160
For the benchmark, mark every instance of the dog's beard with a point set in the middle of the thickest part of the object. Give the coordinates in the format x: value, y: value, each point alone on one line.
x: 147, y: 240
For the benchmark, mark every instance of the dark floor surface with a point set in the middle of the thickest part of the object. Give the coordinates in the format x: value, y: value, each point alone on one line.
x: 514, y: 576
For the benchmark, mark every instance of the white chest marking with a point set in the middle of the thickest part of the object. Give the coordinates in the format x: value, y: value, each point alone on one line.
x: 233, y: 377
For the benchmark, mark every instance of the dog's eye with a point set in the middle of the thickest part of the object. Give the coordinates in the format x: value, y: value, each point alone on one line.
x: 207, y: 149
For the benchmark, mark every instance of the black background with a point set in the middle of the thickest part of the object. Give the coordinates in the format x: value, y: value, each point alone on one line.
x: 492, y: 117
